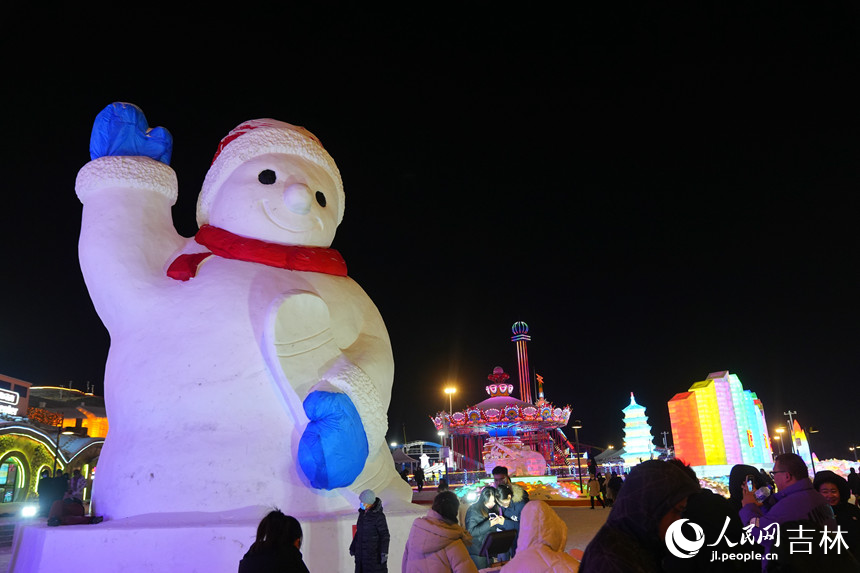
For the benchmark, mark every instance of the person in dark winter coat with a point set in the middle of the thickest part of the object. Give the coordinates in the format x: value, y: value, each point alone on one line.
x: 721, y: 528
x: 854, y: 485
x: 482, y: 517
x: 613, y: 486
x: 738, y: 483
x: 835, y: 490
x: 510, y: 511
x: 419, y: 478
x: 276, y: 549
x: 370, y: 544
x: 500, y: 476
x: 632, y: 539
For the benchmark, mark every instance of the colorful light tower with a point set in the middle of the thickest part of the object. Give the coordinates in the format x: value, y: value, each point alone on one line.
x: 520, y: 336
x: 638, y: 440
x: 717, y: 422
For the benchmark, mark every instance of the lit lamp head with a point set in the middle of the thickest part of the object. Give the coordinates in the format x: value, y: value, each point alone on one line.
x: 450, y: 391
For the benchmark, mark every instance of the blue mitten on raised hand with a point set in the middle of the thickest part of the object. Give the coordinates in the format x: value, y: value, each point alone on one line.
x: 333, y: 448
x: 121, y: 129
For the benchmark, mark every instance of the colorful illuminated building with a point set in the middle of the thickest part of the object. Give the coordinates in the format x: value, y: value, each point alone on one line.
x: 46, y: 428
x: 638, y: 440
x: 686, y: 430
x: 717, y: 422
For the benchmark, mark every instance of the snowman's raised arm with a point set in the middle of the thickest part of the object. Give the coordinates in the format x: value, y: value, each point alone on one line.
x: 127, y: 190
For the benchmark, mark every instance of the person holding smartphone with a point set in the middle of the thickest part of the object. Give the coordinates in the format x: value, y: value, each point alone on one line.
x: 482, y: 517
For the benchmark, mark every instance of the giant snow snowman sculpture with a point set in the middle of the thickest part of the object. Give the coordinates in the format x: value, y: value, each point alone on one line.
x: 245, y: 368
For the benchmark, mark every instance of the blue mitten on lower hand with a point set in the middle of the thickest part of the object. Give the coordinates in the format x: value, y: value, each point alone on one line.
x: 121, y: 129
x: 333, y: 448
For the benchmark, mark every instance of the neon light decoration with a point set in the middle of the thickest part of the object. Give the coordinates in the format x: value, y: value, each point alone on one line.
x: 717, y: 422
x: 505, y: 421
x: 520, y: 332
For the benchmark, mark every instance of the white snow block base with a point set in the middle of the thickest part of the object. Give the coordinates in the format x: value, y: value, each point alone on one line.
x: 191, y: 542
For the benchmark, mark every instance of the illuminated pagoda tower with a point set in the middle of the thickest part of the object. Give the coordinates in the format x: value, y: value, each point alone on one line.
x: 638, y: 440
x: 717, y: 422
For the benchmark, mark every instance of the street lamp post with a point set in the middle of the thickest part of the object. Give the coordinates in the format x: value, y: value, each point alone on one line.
x: 59, y: 431
x: 450, y: 391
x: 790, y: 413
x: 780, y: 431
x: 854, y: 449
x: 576, y: 425
x: 811, y: 430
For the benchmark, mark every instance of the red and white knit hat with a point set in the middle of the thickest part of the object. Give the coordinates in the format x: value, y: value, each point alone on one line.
x: 258, y: 137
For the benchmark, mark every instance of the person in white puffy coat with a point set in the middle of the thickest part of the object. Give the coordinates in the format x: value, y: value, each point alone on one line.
x: 540, y: 546
x: 437, y: 543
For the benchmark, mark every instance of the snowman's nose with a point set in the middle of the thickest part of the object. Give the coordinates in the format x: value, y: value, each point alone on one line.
x: 297, y: 198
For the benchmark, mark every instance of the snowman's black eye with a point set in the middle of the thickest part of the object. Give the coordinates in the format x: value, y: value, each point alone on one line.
x: 267, y: 177
x: 320, y: 198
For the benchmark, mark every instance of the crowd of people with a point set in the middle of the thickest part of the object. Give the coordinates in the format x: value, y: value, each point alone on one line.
x: 444, y: 540
x: 656, y: 494
x: 636, y: 537
x: 61, y: 498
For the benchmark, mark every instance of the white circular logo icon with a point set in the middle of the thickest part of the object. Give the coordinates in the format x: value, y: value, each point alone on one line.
x: 680, y: 546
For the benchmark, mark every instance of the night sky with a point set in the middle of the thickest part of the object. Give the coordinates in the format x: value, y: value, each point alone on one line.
x: 659, y: 191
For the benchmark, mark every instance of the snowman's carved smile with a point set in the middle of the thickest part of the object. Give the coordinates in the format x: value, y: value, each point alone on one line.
x: 310, y: 222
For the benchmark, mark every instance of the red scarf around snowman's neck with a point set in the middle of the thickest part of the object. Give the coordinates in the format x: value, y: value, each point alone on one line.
x: 225, y: 244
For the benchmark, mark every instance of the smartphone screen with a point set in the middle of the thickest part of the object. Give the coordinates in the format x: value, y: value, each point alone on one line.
x: 750, y: 484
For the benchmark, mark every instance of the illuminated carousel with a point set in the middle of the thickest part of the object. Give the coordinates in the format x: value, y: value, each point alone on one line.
x: 515, y: 433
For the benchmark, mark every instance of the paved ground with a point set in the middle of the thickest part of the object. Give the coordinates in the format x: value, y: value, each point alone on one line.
x: 11, y: 513
x: 582, y: 523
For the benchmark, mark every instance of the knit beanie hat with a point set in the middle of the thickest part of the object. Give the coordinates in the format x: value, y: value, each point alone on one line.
x: 447, y: 504
x: 367, y: 497
x: 259, y: 137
